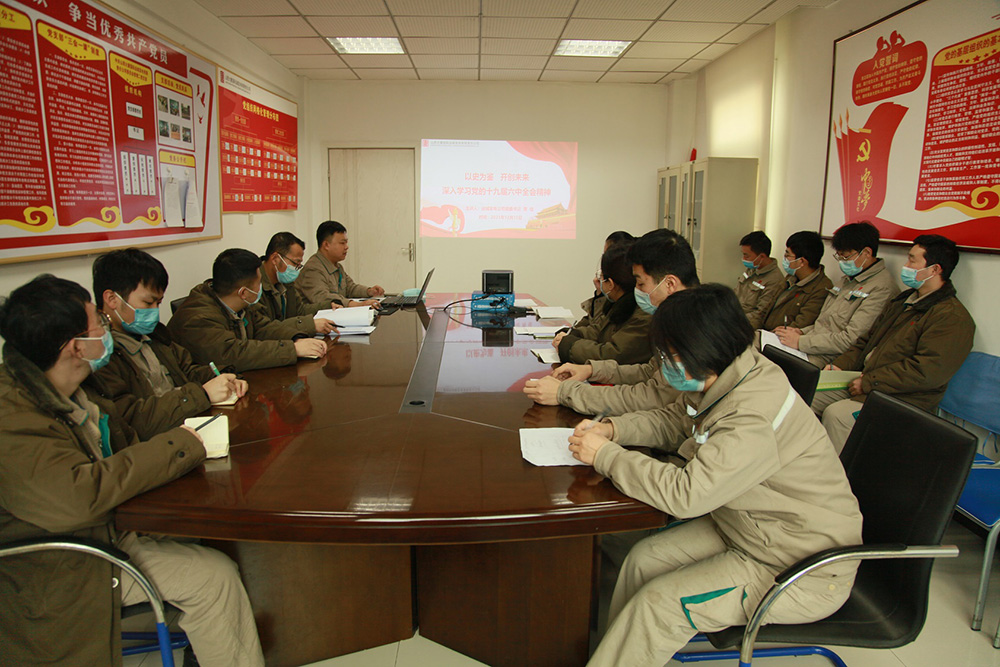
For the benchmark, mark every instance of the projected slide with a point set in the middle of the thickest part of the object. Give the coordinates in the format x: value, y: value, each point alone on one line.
x: 498, y: 189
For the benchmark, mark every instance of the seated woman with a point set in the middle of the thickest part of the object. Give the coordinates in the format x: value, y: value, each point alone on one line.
x: 594, y: 305
x: 758, y: 478
x: 620, y: 331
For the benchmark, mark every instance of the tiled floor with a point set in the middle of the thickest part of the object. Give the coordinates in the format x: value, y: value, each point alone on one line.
x: 945, y: 641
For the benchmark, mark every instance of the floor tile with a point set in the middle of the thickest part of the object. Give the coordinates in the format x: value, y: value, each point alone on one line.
x: 380, y: 656
x: 420, y: 652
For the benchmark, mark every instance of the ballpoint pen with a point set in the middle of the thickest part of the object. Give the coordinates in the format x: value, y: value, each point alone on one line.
x: 206, y: 423
x: 215, y: 369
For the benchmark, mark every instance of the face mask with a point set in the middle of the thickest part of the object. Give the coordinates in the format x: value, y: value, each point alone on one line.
x: 258, y: 293
x: 145, y: 321
x: 642, y: 299
x: 849, y: 267
x: 909, y: 277
x: 786, y: 265
x: 749, y: 265
x: 676, y: 378
x: 102, y: 361
x: 288, y: 275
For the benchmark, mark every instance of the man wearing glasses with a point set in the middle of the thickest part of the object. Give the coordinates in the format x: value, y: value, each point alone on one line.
x: 281, y: 300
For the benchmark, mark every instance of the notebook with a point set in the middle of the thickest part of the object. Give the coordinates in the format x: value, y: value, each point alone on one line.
x: 409, y: 300
x: 215, y: 435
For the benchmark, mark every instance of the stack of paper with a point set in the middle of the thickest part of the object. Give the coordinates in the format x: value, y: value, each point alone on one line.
x: 769, y: 338
x: 352, y: 331
x: 348, y: 317
x: 832, y: 380
x: 553, y: 313
x: 546, y: 355
x: 547, y: 447
x: 215, y: 435
x: 524, y: 303
x: 538, y: 332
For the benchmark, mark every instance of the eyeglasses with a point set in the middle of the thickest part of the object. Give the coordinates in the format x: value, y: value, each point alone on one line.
x: 105, y: 330
x: 840, y: 257
x: 288, y: 262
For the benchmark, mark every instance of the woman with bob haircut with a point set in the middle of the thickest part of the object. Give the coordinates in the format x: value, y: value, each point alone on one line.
x: 752, y: 471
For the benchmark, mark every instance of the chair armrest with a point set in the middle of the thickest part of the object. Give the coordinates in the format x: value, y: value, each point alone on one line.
x: 67, y: 542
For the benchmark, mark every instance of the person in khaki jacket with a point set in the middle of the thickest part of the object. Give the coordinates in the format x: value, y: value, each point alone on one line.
x: 324, y: 279
x: 217, y: 325
x: 756, y: 475
x: 853, y: 304
x: 621, y: 331
x: 280, y: 300
x: 153, y: 381
x: 67, y: 461
x: 594, y: 305
x: 761, y: 282
x: 806, y: 287
x: 662, y: 264
x: 914, y: 347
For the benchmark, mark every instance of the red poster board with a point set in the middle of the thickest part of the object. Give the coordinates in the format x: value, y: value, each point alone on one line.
x: 84, y: 164
x: 915, y: 126
x: 260, y: 147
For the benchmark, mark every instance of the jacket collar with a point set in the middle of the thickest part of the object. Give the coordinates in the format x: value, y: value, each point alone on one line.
x: 815, y: 275
x: 31, y: 377
x: 946, y: 291
x: 772, y: 266
x: 268, y: 286
x: 873, y: 270
x: 206, y: 292
x: 622, y: 309
x: 734, y: 374
x: 331, y: 267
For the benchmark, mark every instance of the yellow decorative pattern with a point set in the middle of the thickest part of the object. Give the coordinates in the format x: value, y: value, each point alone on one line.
x: 154, y: 218
x: 37, y: 219
x: 983, y: 203
x: 71, y: 45
x: 11, y: 19
x: 111, y: 216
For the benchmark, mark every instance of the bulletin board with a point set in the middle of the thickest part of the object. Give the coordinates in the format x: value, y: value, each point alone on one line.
x: 914, y: 144
x: 108, y: 134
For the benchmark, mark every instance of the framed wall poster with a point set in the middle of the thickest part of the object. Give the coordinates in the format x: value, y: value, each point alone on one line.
x: 109, y: 138
x: 914, y: 143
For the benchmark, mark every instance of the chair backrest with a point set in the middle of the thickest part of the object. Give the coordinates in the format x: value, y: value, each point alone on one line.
x: 974, y: 392
x: 175, y: 304
x: 802, y: 375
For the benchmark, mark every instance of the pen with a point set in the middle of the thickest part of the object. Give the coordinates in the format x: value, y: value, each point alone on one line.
x: 206, y: 423
x: 214, y: 368
x: 598, y: 418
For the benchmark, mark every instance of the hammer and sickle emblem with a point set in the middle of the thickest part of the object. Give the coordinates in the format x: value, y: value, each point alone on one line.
x: 864, y: 151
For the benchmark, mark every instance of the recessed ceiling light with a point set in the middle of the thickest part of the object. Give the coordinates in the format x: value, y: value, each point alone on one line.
x: 597, y: 48
x: 366, y: 44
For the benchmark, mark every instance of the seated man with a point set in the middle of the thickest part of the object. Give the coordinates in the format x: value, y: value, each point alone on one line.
x: 620, y: 331
x: 593, y: 305
x: 662, y: 264
x: 217, y: 324
x: 913, y: 348
x: 324, y: 279
x: 281, y: 301
x: 66, y: 462
x: 153, y: 381
x: 806, y: 285
x: 761, y: 282
x: 853, y: 304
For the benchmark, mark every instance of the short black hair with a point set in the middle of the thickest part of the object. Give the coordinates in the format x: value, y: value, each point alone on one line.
x: 807, y: 245
x: 663, y: 252
x: 281, y: 243
x: 40, y: 317
x: 122, y: 271
x: 615, y: 265
x: 615, y: 238
x: 233, y: 269
x: 758, y: 242
x: 328, y: 229
x: 705, y: 326
x: 856, y: 236
x: 939, y: 250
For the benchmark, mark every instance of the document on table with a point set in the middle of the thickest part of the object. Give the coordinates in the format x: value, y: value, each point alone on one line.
x: 524, y: 303
x: 832, y: 380
x: 547, y: 447
x: 553, y: 313
x: 770, y: 338
x: 215, y: 435
x: 546, y: 355
x: 538, y: 332
x: 348, y: 317
x: 352, y: 331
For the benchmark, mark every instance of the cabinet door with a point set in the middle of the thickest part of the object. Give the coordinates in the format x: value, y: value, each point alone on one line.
x: 663, y: 213
x: 697, y: 194
x: 684, y: 219
x: 673, y: 200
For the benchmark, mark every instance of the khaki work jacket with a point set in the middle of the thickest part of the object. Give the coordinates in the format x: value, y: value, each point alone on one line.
x: 620, y: 332
x: 799, y: 305
x: 323, y: 280
x: 757, y: 290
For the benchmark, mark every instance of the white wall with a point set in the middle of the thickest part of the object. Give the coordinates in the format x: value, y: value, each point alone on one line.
x: 621, y: 131
x: 189, y: 263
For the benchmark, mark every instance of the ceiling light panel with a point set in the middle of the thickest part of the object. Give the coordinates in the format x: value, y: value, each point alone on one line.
x: 590, y: 48
x: 366, y: 45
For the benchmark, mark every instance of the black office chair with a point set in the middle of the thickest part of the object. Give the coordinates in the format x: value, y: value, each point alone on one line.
x: 802, y: 375
x: 175, y: 304
x: 907, y: 468
x: 166, y: 641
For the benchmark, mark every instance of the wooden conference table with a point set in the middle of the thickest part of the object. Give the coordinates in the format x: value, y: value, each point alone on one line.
x: 382, y: 488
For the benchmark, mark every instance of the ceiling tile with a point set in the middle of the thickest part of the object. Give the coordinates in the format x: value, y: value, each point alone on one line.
x: 713, y: 51
x: 604, y: 29
x: 523, y: 28
x: 445, y: 62
x: 569, y: 75
x: 718, y: 10
x: 341, y: 7
x: 437, y: 45
x: 673, y: 76
x: 742, y: 33
x: 339, y: 74
x: 509, y: 75
x: 631, y: 77
x: 620, y: 9
x: 647, y: 64
x: 519, y: 47
x: 388, y: 74
x: 681, y: 31
x: 448, y: 74
x: 581, y: 63
x: 551, y: 8
x: 692, y: 65
x: 434, y: 7
x: 249, y: 7
x: 646, y: 49
x: 449, y: 26
x: 513, y: 62
x: 353, y: 26
x: 293, y: 45
x: 775, y: 11
x: 313, y: 62
x: 271, y: 26
x: 377, y: 60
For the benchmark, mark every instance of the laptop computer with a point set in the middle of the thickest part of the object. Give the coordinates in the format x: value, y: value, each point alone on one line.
x: 409, y: 300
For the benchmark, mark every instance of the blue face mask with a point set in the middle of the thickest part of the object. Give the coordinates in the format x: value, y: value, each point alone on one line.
x: 289, y: 274
x: 145, y: 321
x: 749, y: 265
x: 786, y: 266
x: 102, y: 361
x: 642, y: 299
x: 258, y: 293
x: 909, y: 277
x: 849, y: 267
x: 676, y: 378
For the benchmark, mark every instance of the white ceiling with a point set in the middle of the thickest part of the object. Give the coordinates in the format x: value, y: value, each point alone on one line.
x: 501, y: 40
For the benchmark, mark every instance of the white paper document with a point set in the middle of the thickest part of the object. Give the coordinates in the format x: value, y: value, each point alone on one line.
x: 553, y: 313
x: 538, y: 332
x: 352, y: 331
x: 215, y: 435
x: 547, y: 447
x: 348, y: 317
x: 524, y: 303
x: 770, y: 338
x: 546, y: 355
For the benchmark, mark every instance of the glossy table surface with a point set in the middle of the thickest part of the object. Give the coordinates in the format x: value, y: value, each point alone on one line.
x: 321, y: 453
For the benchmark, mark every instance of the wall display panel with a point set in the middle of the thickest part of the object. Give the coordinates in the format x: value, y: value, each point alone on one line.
x: 108, y: 134
x: 259, y: 135
x: 915, y: 125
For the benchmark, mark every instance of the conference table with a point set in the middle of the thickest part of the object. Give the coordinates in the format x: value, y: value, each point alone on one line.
x: 381, y: 489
